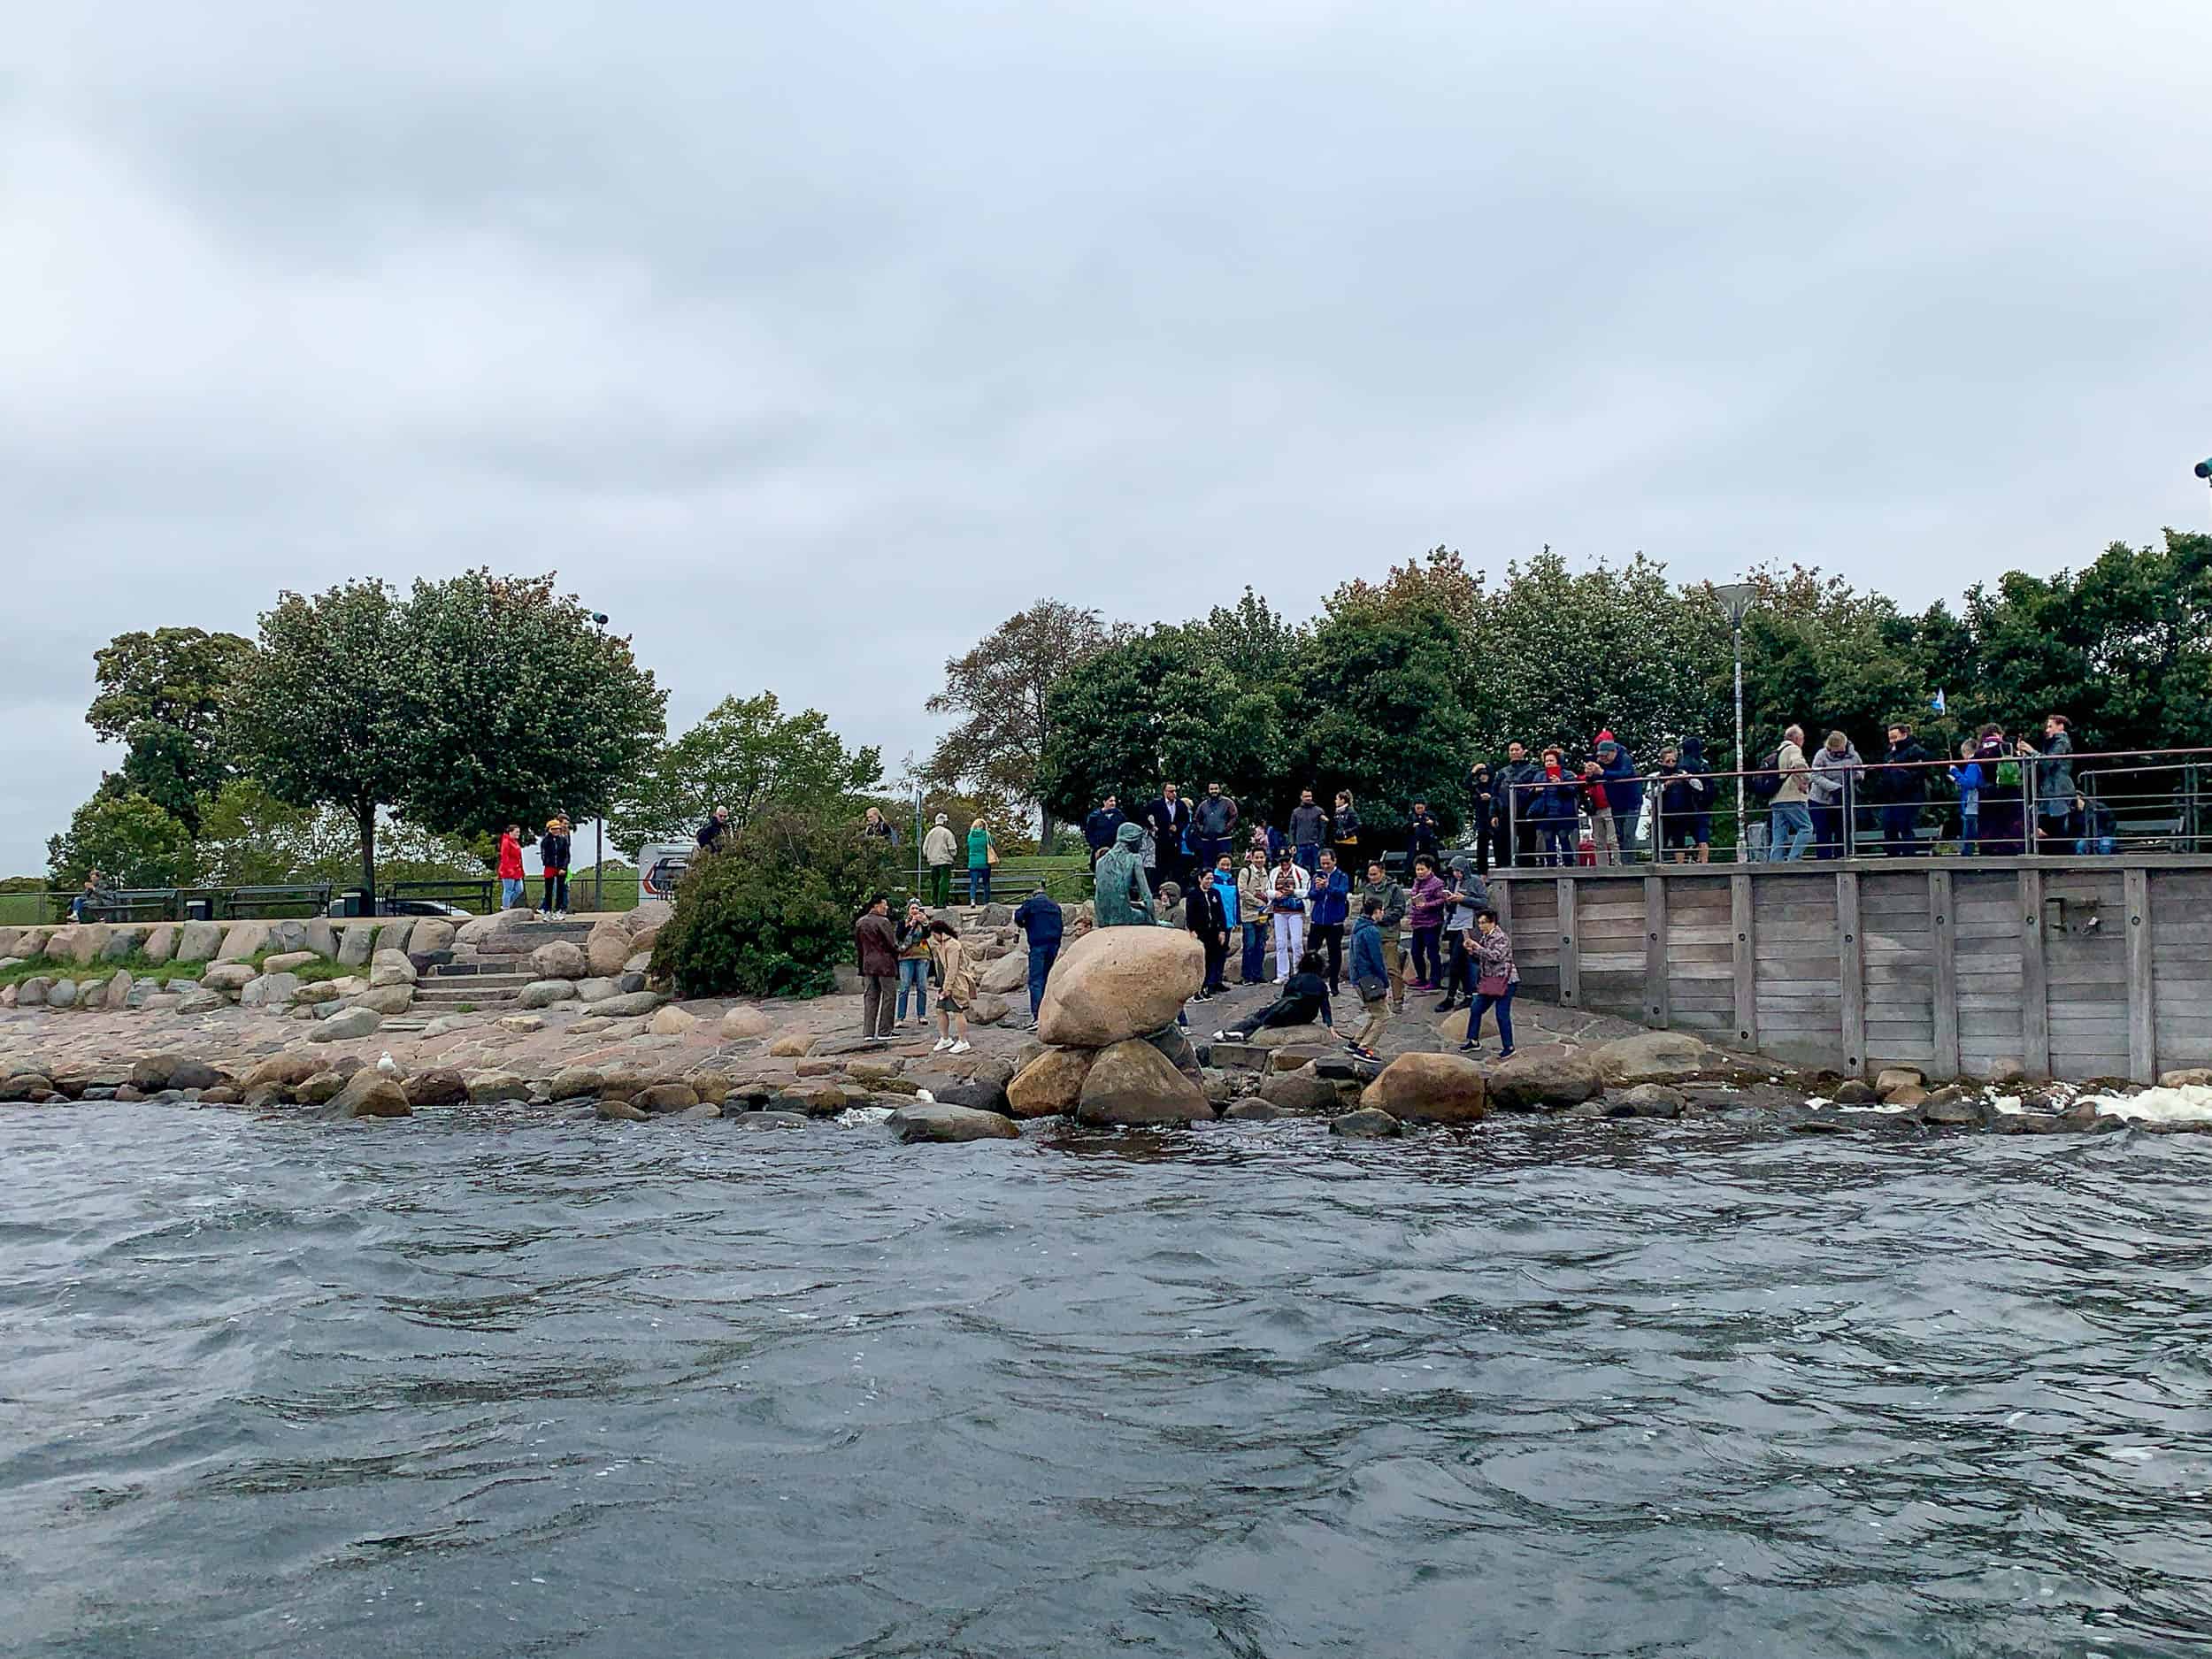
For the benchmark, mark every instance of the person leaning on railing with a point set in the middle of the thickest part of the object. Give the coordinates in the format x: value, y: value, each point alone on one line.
x: 1901, y: 785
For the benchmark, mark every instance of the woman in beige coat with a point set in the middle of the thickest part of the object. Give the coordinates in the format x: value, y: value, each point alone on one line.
x: 956, y: 986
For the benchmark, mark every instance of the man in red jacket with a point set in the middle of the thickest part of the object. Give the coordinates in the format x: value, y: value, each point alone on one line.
x: 511, y: 876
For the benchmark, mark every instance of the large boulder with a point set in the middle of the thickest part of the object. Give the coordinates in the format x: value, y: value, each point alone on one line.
x: 355, y: 942
x: 121, y: 984
x: 161, y: 942
x: 479, y: 930
x: 606, y: 947
x: 596, y: 990
x: 492, y: 1087
x: 988, y: 1010
x: 198, y: 942
x: 1369, y: 1123
x: 1550, y: 1075
x: 1119, y: 983
x: 1435, y: 1088
x: 1009, y: 974
x: 386, y: 999
x: 630, y: 1004
x: 1132, y: 1082
x: 229, y: 976
x: 742, y: 1023
x: 289, y: 934
x: 397, y: 934
x: 287, y: 961
x: 159, y: 1071
x: 367, y: 1094
x: 1304, y: 1090
x: 124, y: 941
x: 927, y: 1122
x: 433, y: 936
x: 545, y: 993
x: 346, y: 1025
x: 318, y: 935
x: 1646, y: 1099
x: 1050, y: 1084
x: 557, y: 960
x: 269, y: 990
x: 243, y: 940
x: 1316, y: 1035
x: 390, y: 967
x: 288, y: 1069
x: 62, y: 994
x: 87, y: 943
x: 672, y: 1022
x: 1650, y: 1056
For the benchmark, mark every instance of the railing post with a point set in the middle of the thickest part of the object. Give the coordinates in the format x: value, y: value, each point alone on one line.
x: 2035, y: 1004
x: 1570, y: 950
x: 2142, y: 987
x: 1851, y: 972
x: 1655, y: 998
x: 1745, y: 958
x: 1941, y: 936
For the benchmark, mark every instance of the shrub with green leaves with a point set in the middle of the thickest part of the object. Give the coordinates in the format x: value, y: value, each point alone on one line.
x: 772, y: 914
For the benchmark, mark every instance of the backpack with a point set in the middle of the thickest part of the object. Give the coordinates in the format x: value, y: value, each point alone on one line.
x: 1766, y: 784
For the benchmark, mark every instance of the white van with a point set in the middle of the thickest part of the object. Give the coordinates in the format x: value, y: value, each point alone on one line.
x: 661, y: 866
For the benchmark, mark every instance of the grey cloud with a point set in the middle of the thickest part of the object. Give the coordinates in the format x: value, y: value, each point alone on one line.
x: 811, y: 342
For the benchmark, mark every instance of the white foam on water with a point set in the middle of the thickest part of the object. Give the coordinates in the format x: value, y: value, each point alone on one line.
x: 860, y: 1116
x: 2190, y: 1104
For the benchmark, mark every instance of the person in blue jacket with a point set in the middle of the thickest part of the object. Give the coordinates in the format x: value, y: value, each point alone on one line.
x: 1551, y: 807
x: 1330, y: 907
x: 1040, y: 919
x: 1624, y: 792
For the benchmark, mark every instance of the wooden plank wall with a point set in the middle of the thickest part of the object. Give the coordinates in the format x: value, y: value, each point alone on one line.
x: 2075, y: 968
x: 2181, y: 904
x: 1798, y: 971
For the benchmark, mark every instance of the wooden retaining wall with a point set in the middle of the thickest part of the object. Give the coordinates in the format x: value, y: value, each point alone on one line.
x: 2072, y: 968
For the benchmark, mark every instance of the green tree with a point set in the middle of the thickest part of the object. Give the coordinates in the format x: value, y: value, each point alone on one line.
x: 476, y: 703
x: 1372, y: 705
x: 1252, y: 642
x: 518, y: 704
x: 132, y: 841
x: 163, y: 695
x: 249, y: 837
x: 1002, y: 691
x: 322, y: 708
x: 745, y: 754
x: 1158, y: 705
x: 772, y: 913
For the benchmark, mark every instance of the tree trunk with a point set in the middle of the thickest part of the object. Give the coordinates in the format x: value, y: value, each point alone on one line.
x: 1044, y: 830
x: 365, y: 815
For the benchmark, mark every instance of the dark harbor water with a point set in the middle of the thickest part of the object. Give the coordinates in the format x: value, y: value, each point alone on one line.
x: 467, y: 1389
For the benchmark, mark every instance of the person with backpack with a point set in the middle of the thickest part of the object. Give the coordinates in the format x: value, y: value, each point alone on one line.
x: 2003, y: 802
x: 1789, y: 825
x: 1378, y: 886
x: 1255, y: 888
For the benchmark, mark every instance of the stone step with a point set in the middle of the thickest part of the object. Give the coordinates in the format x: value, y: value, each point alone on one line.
x: 475, y: 985
x: 491, y: 968
x: 474, y: 999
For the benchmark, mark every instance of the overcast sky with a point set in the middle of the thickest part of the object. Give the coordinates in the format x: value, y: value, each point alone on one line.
x: 811, y: 340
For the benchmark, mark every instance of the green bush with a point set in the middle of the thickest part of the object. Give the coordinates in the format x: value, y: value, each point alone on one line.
x: 772, y: 914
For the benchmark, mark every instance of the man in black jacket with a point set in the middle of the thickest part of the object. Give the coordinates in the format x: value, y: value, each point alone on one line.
x: 1421, y: 835
x: 1309, y: 828
x: 1904, y: 786
x: 1482, y: 801
x: 1168, y: 818
x: 714, y: 829
x: 1098, y: 829
x: 1513, y: 793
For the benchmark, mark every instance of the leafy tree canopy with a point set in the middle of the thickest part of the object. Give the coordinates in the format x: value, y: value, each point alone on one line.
x: 744, y: 754
x: 132, y: 841
x: 165, y: 695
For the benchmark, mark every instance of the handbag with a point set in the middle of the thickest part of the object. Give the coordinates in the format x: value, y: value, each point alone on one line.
x: 990, y: 852
x: 1372, y: 988
x: 1491, y: 985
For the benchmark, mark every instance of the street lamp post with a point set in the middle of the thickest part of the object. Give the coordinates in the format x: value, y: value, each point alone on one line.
x: 1735, y: 603
x: 599, y: 827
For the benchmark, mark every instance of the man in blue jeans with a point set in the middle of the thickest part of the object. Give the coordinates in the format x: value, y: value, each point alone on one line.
x: 1790, y: 826
x: 1040, y: 918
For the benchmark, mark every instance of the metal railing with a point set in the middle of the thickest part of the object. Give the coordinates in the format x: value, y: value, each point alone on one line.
x: 476, y: 897
x: 2010, y: 804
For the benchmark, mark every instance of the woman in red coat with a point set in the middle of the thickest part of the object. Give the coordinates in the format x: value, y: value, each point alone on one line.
x: 511, y: 876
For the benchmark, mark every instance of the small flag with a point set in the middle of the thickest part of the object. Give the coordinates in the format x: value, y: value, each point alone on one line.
x: 1936, y: 703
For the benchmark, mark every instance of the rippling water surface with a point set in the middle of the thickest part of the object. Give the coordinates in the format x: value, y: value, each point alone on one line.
x: 468, y: 1388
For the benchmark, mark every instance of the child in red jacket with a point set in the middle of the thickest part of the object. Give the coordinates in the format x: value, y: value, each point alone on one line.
x: 510, y: 868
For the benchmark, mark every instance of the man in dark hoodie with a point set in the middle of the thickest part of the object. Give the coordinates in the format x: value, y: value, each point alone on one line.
x: 1624, y: 792
x: 1513, y: 788
x: 1903, y: 782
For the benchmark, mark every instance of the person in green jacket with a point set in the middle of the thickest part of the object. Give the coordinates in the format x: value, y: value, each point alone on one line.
x: 982, y: 854
x: 1121, y: 897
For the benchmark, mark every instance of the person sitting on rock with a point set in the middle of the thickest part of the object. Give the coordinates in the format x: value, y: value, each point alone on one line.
x: 1305, y: 996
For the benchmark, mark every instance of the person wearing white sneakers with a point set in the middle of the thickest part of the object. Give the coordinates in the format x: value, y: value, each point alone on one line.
x: 956, y: 987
